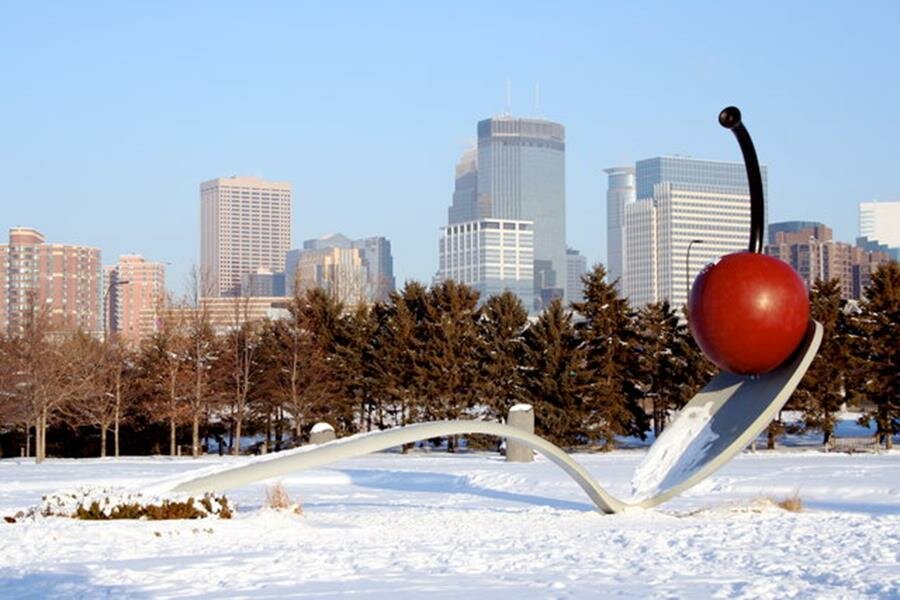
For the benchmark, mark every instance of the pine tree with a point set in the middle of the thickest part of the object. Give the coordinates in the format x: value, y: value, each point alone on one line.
x: 448, y: 363
x: 820, y: 393
x: 357, y: 354
x: 878, y: 339
x: 555, y: 377
x: 398, y: 347
x: 607, y: 329
x: 666, y: 364
x: 501, y: 327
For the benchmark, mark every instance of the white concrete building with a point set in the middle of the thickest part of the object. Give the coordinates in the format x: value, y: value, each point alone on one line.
x: 880, y: 222
x: 245, y: 224
x: 490, y: 255
x: 680, y: 200
x: 619, y: 194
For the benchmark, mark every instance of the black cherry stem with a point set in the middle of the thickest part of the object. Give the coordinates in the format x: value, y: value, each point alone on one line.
x: 730, y: 118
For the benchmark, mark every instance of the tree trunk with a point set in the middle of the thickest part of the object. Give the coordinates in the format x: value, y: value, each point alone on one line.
x: 118, y: 412
x: 236, y: 448
x: 195, y: 436
x: 103, y: 429
x: 27, y: 440
x: 172, y: 431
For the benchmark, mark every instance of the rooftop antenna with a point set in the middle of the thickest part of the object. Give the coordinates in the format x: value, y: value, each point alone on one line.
x: 508, y: 97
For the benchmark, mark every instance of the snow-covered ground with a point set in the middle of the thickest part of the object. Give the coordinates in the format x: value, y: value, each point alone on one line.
x: 439, y: 526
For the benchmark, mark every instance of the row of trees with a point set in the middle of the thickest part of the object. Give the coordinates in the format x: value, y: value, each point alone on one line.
x: 593, y: 373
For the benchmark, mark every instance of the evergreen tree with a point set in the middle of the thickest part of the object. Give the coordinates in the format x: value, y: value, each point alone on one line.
x: 357, y: 354
x: 665, y: 361
x: 555, y: 377
x: 500, y: 345
x: 878, y: 338
x: 398, y: 348
x: 607, y: 330
x: 820, y: 393
x: 447, y: 369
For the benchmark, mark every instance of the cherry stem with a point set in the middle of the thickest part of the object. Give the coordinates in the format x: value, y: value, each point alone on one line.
x: 730, y: 118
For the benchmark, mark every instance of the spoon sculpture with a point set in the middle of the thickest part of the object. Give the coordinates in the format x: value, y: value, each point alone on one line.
x: 743, y: 317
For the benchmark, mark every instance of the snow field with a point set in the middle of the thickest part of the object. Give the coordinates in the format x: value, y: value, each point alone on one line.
x: 446, y: 526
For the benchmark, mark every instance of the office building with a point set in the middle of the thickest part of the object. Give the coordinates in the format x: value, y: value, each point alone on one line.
x: 682, y: 203
x: 521, y: 176
x: 880, y: 222
x: 245, y: 224
x: 466, y: 206
x: 576, y: 267
x: 375, y: 256
x: 58, y: 283
x: 342, y: 272
x: 134, y: 288
x: 491, y: 256
x: 263, y: 283
x: 620, y: 193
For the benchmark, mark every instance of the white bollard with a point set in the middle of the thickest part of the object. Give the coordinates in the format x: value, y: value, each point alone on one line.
x: 521, y: 416
x: 320, y: 433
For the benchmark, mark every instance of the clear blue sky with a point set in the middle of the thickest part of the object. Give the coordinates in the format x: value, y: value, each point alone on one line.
x: 113, y: 113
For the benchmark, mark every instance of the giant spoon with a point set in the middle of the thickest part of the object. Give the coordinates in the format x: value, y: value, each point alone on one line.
x: 717, y: 423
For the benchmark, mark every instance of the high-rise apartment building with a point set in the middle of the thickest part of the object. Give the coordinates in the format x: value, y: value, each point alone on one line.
x: 374, y: 252
x: 576, y: 267
x: 134, y: 288
x: 245, y: 224
x: 621, y: 192
x: 522, y: 176
x: 491, y: 256
x: 815, y: 255
x: 682, y: 203
x: 58, y: 282
x: 880, y: 222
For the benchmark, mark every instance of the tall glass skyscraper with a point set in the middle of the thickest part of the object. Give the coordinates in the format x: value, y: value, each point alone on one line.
x: 522, y: 176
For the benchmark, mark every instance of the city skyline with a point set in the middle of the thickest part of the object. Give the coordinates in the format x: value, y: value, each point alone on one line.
x: 140, y: 129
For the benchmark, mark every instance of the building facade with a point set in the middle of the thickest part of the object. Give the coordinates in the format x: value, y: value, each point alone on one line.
x: 342, y: 272
x: 521, y: 176
x: 466, y: 206
x: 263, y: 282
x: 59, y: 283
x: 619, y: 194
x: 374, y: 252
x: 135, y: 287
x: 682, y: 203
x: 245, y: 224
x: 880, y: 222
x: 815, y: 255
x: 576, y: 267
x: 491, y: 256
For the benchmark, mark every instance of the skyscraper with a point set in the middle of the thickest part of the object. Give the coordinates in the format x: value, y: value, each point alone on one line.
x: 342, y: 272
x: 619, y: 193
x: 576, y: 266
x: 136, y: 286
x: 682, y: 203
x: 491, y: 256
x: 522, y: 176
x: 374, y: 253
x: 245, y: 224
x: 59, y: 282
x: 465, y: 205
x: 880, y: 222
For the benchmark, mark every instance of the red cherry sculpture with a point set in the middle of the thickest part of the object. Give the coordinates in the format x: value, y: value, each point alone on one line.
x: 748, y: 312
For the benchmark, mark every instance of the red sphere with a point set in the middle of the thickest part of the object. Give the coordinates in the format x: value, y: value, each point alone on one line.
x: 748, y: 312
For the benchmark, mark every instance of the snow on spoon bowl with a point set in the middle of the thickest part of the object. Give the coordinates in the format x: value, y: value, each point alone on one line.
x: 719, y: 422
